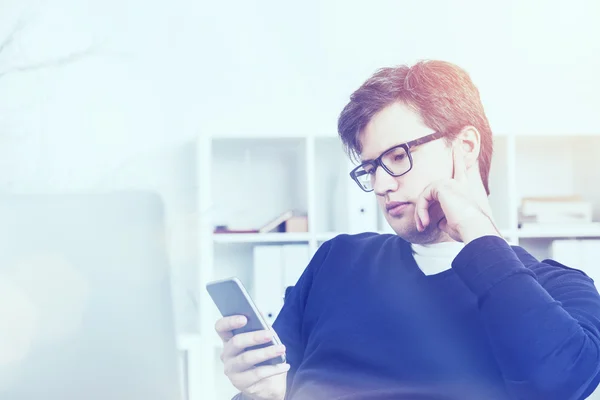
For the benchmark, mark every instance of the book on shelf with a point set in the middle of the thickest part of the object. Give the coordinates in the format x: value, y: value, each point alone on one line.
x: 224, y: 229
x: 288, y: 221
x: 276, y: 222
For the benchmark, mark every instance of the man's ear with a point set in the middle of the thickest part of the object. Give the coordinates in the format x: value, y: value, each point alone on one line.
x: 469, y: 142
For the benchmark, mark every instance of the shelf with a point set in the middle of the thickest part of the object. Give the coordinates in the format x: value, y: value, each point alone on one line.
x: 261, y: 237
x: 559, y: 232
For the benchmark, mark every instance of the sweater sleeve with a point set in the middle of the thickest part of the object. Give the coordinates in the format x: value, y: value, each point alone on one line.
x: 543, y: 320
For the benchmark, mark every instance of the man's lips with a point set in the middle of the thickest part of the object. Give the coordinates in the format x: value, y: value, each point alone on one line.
x: 396, y: 208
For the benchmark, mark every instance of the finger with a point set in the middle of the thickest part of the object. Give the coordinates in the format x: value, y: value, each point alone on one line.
x: 428, y: 196
x: 249, y: 359
x: 418, y: 221
x: 226, y: 325
x: 240, y: 342
x: 422, y: 210
x: 459, y: 172
x: 436, y: 213
x: 245, y: 380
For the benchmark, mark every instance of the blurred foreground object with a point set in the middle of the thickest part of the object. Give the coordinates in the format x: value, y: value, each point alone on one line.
x: 88, y: 281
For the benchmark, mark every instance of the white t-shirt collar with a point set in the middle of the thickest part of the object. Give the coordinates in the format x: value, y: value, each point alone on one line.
x: 437, y: 257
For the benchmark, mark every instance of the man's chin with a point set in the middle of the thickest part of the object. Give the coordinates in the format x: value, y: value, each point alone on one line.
x: 412, y: 235
x: 404, y: 229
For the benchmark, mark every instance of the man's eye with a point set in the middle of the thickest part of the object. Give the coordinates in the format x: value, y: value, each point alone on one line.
x: 399, y: 157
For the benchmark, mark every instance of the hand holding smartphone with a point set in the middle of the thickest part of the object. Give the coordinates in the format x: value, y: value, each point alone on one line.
x: 232, y: 299
x: 253, y: 357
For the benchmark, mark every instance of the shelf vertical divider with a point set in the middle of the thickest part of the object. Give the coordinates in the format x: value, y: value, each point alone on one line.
x: 513, y: 195
x: 311, y: 176
x: 202, y: 371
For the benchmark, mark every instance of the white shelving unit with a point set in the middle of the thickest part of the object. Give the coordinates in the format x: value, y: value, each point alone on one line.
x: 245, y: 181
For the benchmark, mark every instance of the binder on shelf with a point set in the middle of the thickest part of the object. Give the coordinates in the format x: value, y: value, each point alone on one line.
x: 362, y: 213
x: 591, y: 255
x: 354, y: 210
x: 276, y: 268
x: 567, y: 252
x: 295, y: 258
x: 267, y: 281
x: 582, y: 254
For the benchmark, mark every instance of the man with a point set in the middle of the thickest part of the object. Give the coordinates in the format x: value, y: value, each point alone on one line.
x: 445, y: 309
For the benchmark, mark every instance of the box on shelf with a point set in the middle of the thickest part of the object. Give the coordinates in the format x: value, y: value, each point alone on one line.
x: 297, y: 223
x: 289, y: 221
x: 555, y: 210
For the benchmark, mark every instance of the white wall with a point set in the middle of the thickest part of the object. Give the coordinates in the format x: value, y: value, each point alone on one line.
x: 160, y: 73
x: 121, y: 117
x: 274, y: 66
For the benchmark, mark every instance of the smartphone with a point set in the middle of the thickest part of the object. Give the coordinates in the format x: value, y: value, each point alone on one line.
x: 231, y: 298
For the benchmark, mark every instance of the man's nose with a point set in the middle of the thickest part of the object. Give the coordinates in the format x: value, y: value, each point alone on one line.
x: 384, y: 182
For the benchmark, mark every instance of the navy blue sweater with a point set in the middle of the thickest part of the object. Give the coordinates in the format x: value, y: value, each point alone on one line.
x: 363, y: 322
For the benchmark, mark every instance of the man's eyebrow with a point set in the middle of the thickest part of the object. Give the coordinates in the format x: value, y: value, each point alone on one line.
x: 389, y: 148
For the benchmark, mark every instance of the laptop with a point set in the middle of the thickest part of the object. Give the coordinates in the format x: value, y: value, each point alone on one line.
x: 85, y: 302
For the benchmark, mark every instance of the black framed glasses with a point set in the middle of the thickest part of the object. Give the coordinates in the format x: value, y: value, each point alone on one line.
x: 396, y: 161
